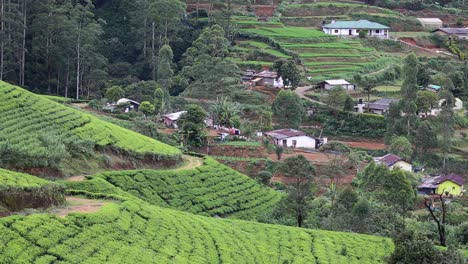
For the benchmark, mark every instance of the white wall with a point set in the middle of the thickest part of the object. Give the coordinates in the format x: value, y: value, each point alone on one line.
x: 403, y: 165
x: 383, y: 33
x: 302, y: 142
x: 346, y: 86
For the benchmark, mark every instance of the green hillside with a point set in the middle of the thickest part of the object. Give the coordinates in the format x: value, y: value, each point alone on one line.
x: 129, y: 230
x: 211, y: 189
x: 30, y: 123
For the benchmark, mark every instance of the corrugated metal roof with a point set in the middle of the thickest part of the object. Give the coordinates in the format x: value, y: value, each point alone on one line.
x: 337, y: 82
x: 360, y: 24
x: 455, y: 31
x: 285, y: 133
x: 175, y: 116
x: 430, y: 20
x: 388, y: 159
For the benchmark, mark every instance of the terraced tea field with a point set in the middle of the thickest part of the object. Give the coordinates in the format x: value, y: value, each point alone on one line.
x: 28, y: 121
x: 211, y: 189
x: 130, y: 230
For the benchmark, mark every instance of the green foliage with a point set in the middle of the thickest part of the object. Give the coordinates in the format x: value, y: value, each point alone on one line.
x: 212, y: 189
x: 192, y: 125
x: 288, y: 108
x: 37, y: 131
x: 146, y: 108
x: 208, y: 71
x: 426, y: 100
x: 402, y: 147
x: 391, y: 187
x: 159, y: 100
x: 165, y: 71
x: 337, y: 97
x: 225, y: 112
x: 288, y: 71
x: 337, y: 122
x: 115, y: 93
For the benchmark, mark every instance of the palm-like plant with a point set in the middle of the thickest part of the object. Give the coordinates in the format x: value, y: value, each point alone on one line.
x: 225, y: 112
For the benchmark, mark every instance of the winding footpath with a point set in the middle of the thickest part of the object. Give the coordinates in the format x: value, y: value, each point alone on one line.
x: 301, y: 92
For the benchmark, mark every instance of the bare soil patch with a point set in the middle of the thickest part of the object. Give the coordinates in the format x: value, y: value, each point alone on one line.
x: 79, y: 205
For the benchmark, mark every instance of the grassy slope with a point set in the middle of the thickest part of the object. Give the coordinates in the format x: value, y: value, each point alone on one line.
x: 211, y: 189
x: 133, y: 231
x: 20, y: 180
x: 26, y: 117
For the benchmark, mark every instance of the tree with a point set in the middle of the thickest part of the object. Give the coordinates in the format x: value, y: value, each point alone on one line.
x: 348, y: 104
x: 425, y: 101
x: 159, y: 100
x: 192, y: 125
x: 288, y: 71
x: 367, y: 83
x: 426, y: 137
x: 225, y: 113
x: 279, y: 151
x: 288, y: 108
x: 115, y: 93
x: 300, y: 173
x: 439, y: 219
x: 337, y: 97
x: 391, y: 187
x: 208, y: 70
x: 165, y: 71
x: 409, y: 91
x: 146, y: 108
x: 362, y: 34
x: 402, y: 147
x: 446, y: 120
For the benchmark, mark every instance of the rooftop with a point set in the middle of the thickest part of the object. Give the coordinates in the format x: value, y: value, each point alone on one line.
x: 175, y: 116
x: 388, y: 159
x: 434, y: 87
x: 433, y: 182
x: 455, y: 31
x: 430, y: 20
x: 285, y: 133
x: 337, y: 82
x: 361, y: 24
x: 382, y: 104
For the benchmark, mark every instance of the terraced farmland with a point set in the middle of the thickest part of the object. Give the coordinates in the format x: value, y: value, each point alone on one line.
x: 325, y: 56
x: 211, y: 189
x: 28, y: 120
x: 130, y: 230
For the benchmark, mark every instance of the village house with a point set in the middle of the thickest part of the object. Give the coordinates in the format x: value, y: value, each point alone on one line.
x: 430, y: 23
x: 352, y: 29
x: 329, y: 84
x: 433, y: 88
x: 451, y: 183
x: 264, y: 78
x: 393, y: 161
x: 129, y: 105
x: 294, y: 138
x: 458, y: 105
x: 461, y: 33
x: 379, y: 107
x: 170, y: 120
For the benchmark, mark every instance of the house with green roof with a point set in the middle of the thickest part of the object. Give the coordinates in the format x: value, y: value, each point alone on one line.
x: 352, y: 29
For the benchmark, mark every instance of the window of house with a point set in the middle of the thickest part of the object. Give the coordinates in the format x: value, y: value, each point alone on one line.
x: 294, y: 143
x: 377, y: 31
x: 357, y: 30
x: 285, y: 142
x: 336, y: 30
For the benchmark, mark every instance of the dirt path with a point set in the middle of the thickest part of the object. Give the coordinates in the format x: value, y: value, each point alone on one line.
x: 301, y: 92
x: 76, y: 178
x: 190, y: 162
x: 79, y: 205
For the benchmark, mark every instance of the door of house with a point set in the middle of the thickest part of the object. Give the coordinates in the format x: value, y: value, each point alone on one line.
x: 285, y: 143
x: 294, y: 143
x: 350, y: 32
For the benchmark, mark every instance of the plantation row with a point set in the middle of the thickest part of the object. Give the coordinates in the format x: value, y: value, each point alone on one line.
x: 132, y: 231
x: 212, y: 189
x: 19, y: 191
x: 29, y: 121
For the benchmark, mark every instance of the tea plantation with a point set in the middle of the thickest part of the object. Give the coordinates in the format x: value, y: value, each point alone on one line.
x: 28, y: 122
x: 212, y: 189
x: 129, y: 230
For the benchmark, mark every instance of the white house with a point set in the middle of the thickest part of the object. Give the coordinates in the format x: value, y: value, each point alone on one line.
x: 170, y: 120
x: 458, y: 105
x: 352, y: 29
x: 393, y: 161
x: 268, y: 78
x: 328, y: 84
x: 293, y: 138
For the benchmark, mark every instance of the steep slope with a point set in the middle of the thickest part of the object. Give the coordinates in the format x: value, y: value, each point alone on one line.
x: 30, y: 124
x: 132, y: 231
x: 211, y: 189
